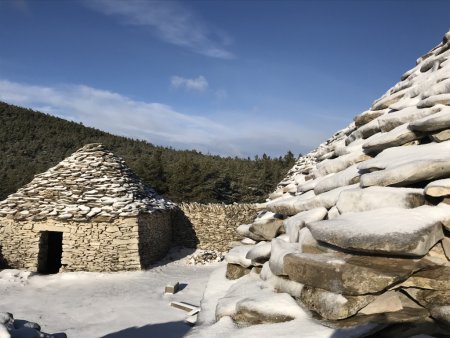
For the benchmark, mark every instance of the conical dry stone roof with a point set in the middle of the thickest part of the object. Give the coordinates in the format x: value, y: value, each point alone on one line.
x: 361, y: 221
x: 91, y: 183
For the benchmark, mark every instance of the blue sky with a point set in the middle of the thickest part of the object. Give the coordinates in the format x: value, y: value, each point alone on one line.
x: 226, y: 77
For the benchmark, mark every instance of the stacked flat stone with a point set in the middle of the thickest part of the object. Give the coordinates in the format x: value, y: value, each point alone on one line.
x: 91, y: 184
x: 358, y: 231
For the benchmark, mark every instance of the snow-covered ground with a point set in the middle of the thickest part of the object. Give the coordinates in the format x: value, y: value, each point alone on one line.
x: 113, y: 305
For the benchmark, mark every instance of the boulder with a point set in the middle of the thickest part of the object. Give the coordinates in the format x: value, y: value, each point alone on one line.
x: 366, y: 117
x: 347, y: 274
x: 237, y: 255
x: 392, y: 231
x: 340, y: 163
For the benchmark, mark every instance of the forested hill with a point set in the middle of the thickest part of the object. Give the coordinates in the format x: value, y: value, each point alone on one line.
x: 31, y: 142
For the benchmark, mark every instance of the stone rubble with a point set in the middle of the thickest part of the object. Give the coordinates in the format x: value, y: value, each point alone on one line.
x: 377, y: 248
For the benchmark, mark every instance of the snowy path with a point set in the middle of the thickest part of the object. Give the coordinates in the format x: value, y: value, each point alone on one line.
x: 116, y: 305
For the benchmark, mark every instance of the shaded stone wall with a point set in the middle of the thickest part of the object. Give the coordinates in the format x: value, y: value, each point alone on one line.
x: 210, y: 226
x: 155, y: 236
x: 89, y: 246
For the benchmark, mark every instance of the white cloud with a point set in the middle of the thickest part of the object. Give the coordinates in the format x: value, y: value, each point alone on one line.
x: 198, y: 84
x: 234, y: 134
x: 172, y: 22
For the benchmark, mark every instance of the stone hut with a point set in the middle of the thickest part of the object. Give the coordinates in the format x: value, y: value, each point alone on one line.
x: 90, y: 212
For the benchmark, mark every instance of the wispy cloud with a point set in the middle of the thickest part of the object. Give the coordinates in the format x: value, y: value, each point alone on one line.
x: 198, y: 84
x: 173, y: 22
x: 234, y: 134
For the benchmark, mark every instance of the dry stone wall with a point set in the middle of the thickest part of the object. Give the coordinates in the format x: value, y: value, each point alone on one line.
x: 211, y: 226
x: 109, y: 219
x: 358, y: 232
x: 123, y: 244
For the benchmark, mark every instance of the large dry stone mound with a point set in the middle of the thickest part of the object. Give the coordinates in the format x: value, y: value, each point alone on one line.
x: 358, y: 231
x: 89, y: 212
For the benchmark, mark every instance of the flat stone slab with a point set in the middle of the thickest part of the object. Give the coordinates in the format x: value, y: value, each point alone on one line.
x: 393, y: 231
x: 387, y: 302
x: 437, y: 278
x: 347, y: 274
x: 407, y: 164
x: 396, y: 137
x: 268, y: 229
x: 435, y: 122
x: 260, y: 253
x: 333, y: 306
x: 438, y: 188
x: 235, y: 271
x: 345, y: 177
x: 429, y: 298
x: 293, y: 224
x: 357, y: 200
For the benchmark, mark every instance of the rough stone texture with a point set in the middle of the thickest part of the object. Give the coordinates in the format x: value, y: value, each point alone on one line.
x: 437, y: 278
x: 211, y: 226
x: 438, y: 188
x: 267, y: 230
x: 404, y: 232
x: 333, y: 306
x: 347, y: 274
x: 387, y: 302
x: 357, y: 200
x: 109, y: 220
x: 235, y: 271
x: 91, y: 184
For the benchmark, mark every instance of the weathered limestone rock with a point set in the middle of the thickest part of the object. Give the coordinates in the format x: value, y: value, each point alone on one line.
x: 394, y: 231
x: 441, y: 314
x: 237, y: 255
x: 366, y: 117
x: 357, y: 200
x: 396, y: 137
x: 345, y: 177
x: 387, y: 302
x: 347, y: 274
x: 441, y: 136
x: 267, y: 230
x: 333, y: 306
x: 436, y: 278
x: 438, y: 121
x: 438, y: 188
x: 280, y: 248
x: 406, y: 165
x: 340, y: 163
x: 293, y: 224
x: 260, y: 253
x: 235, y: 271
x: 429, y: 298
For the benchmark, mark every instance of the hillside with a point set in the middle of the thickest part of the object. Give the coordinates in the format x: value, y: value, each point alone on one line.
x: 31, y: 142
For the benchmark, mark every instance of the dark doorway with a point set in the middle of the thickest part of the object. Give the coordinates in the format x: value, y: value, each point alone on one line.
x: 50, y: 252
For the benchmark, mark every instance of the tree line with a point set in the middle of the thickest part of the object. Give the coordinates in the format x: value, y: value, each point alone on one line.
x: 31, y: 142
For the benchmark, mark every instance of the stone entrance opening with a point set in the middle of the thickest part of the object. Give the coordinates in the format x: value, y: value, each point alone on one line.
x: 50, y: 252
